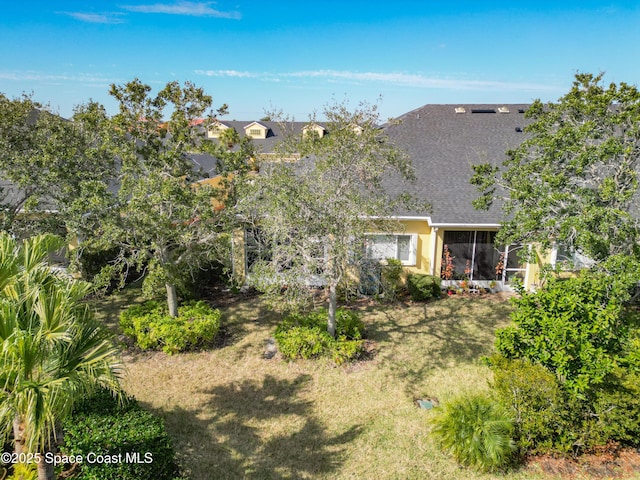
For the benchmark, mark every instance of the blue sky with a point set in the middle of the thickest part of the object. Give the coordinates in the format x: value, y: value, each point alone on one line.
x: 297, y: 56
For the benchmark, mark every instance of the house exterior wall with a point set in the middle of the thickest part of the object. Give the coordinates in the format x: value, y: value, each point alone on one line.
x: 429, y: 252
x: 423, y: 256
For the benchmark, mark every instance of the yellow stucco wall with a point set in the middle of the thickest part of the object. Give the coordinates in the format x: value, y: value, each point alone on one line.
x: 423, y: 255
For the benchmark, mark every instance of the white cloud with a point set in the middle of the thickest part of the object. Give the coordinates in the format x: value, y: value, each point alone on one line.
x: 196, y: 9
x: 108, y: 18
x: 34, y: 76
x: 229, y: 73
x: 394, y: 78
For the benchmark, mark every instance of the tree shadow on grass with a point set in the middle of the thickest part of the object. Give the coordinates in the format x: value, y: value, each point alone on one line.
x: 414, y: 341
x: 257, y: 430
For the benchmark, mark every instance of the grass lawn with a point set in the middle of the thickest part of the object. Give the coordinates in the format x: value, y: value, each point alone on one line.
x: 234, y: 414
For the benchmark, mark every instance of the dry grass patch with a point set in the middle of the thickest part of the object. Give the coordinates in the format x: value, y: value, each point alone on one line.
x: 234, y: 414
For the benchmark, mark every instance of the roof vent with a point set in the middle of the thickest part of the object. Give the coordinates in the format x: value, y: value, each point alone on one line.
x: 503, y: 110
x: 483, y: 110
x: 519, y: 129
x: 460, y: 110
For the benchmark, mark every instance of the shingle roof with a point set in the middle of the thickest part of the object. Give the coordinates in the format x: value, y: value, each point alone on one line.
x: 444, y: 144
x: 275, y: 134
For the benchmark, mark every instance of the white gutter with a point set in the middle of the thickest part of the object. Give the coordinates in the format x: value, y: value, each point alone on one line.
x: 399, y: 217
x: 466, y: 225
x: 435, y: 224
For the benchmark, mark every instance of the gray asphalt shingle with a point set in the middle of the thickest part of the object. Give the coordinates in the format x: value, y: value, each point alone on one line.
x: 444, y: 144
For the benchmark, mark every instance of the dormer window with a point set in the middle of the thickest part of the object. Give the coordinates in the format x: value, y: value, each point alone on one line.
x: 256, y: 130
x: 357, y: 129
x: 313, y: 127
x: 216, y: 129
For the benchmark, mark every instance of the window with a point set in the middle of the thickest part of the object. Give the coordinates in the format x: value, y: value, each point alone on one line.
x: 399, y: 246
x: 569, y: 259
x: 255, y: 132
x: 514, y: 267
x: 215, y: 130
x: 314, y: 129
x: 257, y: 248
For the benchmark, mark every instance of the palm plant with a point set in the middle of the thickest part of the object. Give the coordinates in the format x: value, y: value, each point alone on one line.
x: 476, y: 431
x: 52, y: 351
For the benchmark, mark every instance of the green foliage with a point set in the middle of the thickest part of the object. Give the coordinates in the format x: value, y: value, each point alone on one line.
x: 152, y: 328
x: 344, y: 350
x: 103, y: 426
x: 162, y: 217
x: 190, y: 282
x: 47, y: 159
x: 537, y: 403
x: 306, y: 336
x: 154, y: 282
x: 476, y: 431
x: 52, y: 350
x: 577, y: 328
x: 24, y: 471
x: 303, y: 341
x: 315, y: 223
x: 574, y: 178
x: 550, y: 419
x: 89, y: 261
x: 130, y: 314
x: 391, y: 278
x: 423, y: 287
x: 616, y: 407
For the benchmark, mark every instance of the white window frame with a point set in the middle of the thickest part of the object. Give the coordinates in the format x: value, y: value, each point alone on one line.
x: 577, y: 261
x: 413, y: 246
x: 506, y: 270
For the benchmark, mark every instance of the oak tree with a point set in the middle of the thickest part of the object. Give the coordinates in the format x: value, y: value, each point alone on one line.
x: 158, y: 213
x: 313, y: 205
x: 574, y: 179
x: 44, y: 160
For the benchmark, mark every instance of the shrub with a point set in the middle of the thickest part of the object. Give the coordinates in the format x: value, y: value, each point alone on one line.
x: 550, y: 419
x: 537, y: 403
x: 306, y: 336
x: 391, y: 278
x: 102, y: 426
x: 92, y: 260
x: 152, y: 327
x: 24, y: 471
x: 303, y: 342
x: 423, y: 287
x: 575, y: 327
x: 476, y: 431
x: 616, y: 408
x: 343, y: 350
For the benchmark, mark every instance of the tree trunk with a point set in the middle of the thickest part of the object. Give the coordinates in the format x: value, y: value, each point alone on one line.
x: 45, y: 469
x: 18, y: 435
x: 172, y: 299
x: 333, y: 305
